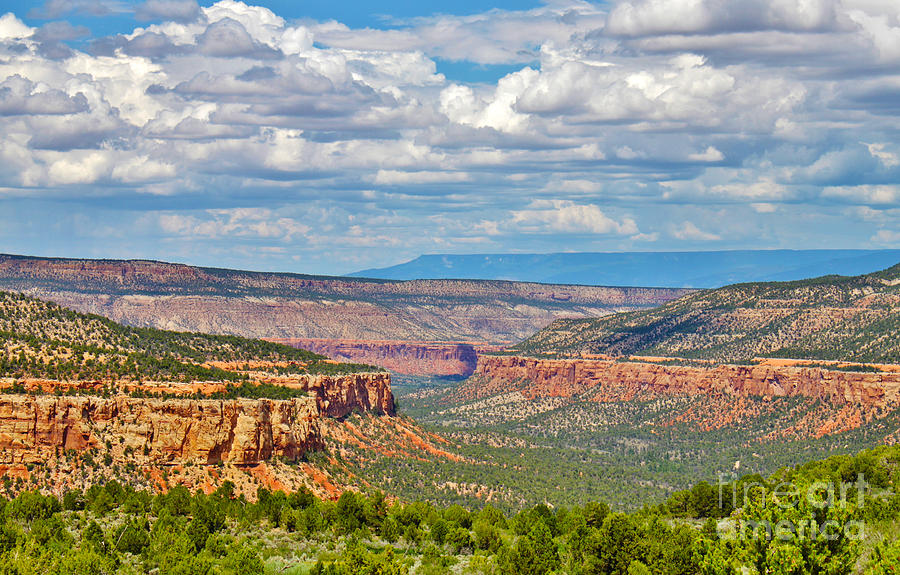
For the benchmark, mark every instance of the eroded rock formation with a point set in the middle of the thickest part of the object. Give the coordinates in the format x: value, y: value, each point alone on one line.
x: 178, y: 430
x: 607, y: 380
x: 206, y: 431
x: 341, y: 395
x: 406, y: 357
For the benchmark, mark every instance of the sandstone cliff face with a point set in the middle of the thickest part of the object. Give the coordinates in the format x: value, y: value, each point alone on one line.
x: 406, y: 357
x: 240, y: 431
x: 341, y: 395
x: 34, y: 428
x: 603, y: 380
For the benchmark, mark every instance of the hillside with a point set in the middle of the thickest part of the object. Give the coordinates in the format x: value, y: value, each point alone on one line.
x: 272, y: 305
x: 664, y: 269
x: 827, y: 318
x: 83, y: 399
x: 40, y: 339
x: 122, y: 528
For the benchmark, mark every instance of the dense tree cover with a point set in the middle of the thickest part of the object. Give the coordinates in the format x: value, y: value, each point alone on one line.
x: 114, y: 528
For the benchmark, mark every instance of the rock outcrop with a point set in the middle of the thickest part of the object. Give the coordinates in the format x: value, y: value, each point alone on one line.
x: 608, y: 380
x: 341, y: 395
x: 405, y: 357
x: 178, y: 428
x: 157, y: 431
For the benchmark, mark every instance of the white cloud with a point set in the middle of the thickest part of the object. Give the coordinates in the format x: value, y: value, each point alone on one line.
x: 493, y: 37
x: 887, y: 158
x: 12, y: 28
x: 562, y: 216
x: 401, y: 178
x: 887, y: 237
x: 80, y: 168
x: 764, y: 189
x: 238, y: 222
x: 764, y: 208
x: 710, y: 154
x: 865, y: 194
x: 142, y: 169
x: 689, y: 231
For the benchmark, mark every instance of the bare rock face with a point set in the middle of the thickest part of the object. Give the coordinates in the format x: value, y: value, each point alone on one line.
x: 34, y: 428
x: 604, y: 380
x: 406, y: 357
x: 341, y: 395
x: 206, y: 431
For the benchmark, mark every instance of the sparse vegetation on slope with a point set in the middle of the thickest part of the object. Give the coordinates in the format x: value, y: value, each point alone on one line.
x: 278, y: 305
x: 40, y: 339
x: 827, y: 318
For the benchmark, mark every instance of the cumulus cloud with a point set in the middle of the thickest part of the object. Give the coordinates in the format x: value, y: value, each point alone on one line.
x: 19, y: 96
x: 567, y: 217
x: 885, y: 156
x: 710, y: 154
x: 13, y: 28
x: 887, y: 237
x: 228, y: 38
x: 606, y: 124
x: 493, y: 37
x: 240, y: 222
x: 689, y: 231
x: 645, y: 17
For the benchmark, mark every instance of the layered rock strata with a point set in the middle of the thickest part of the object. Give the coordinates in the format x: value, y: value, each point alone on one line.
x: 341, y: 395
x: 606, y: 380
x: 406, y: 357
x: 205, y: 431
x: 177, y: 430
x: 261, y: 304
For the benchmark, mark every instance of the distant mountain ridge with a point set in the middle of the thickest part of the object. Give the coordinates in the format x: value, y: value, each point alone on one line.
x: 657, y: 269
x: 280, y: 305
x: 826, y: 318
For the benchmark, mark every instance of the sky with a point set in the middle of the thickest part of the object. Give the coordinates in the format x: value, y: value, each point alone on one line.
x: 328, y: 137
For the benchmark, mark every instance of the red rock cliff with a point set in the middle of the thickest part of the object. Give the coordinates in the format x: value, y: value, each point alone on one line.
x: 340, y: 395
x: 407, y: 357
x: 604, y: 380
x: 240, y: 431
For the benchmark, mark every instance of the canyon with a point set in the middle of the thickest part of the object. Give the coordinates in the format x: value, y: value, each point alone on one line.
x: 403, y: 357
x: 281, y: 305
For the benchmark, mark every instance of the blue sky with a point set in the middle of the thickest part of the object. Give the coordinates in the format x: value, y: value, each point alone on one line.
x: 330, y: 137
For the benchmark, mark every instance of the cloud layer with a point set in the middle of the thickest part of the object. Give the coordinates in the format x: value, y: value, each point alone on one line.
x: 229, y: 134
